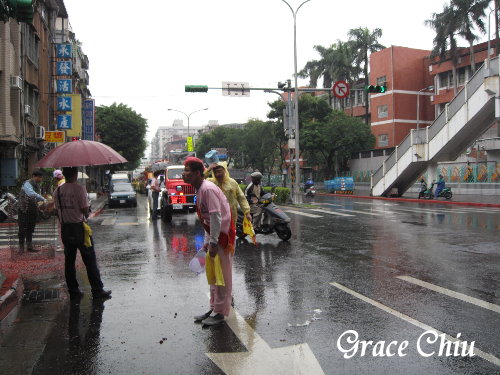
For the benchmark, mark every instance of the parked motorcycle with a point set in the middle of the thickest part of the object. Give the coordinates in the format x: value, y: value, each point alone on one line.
x: 273, y: 219
x: 8, y: 207
x: 445, y: 193
x: 310, y: 192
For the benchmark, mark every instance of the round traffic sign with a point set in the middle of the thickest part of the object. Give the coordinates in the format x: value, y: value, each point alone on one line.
x: 340, y: 89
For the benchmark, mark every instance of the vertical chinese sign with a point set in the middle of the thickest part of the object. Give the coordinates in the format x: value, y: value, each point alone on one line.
x: 64, y: 87
x: 88, y: 119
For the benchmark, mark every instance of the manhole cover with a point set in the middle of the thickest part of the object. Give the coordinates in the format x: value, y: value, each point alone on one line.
x: 40, y: 295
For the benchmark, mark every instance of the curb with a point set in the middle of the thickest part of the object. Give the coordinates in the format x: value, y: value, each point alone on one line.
x: 11, y: 298
x: 414, y: 200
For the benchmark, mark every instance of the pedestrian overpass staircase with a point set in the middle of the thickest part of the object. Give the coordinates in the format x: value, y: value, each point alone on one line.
x: 464, y: 119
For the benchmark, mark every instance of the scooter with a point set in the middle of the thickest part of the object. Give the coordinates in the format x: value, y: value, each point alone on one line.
x: 273, y: 220
x: 8, y: 207
x: 310, y: 191
x: 446, y: 192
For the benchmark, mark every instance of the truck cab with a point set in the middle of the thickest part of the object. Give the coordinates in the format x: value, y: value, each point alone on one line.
x: 177, y: 195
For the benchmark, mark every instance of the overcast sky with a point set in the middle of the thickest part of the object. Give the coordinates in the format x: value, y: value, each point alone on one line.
x: 143, y: 53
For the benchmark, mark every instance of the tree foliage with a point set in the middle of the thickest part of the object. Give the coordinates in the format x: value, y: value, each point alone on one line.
x: 327, y: 139
x: 123, y: 129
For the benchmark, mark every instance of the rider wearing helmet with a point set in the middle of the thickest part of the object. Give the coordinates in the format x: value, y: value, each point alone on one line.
x: 253, y: 192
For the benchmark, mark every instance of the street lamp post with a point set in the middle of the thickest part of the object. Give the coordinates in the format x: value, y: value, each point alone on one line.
x: 296, y: 190
x: 431, y: 87
x: 188, y: 116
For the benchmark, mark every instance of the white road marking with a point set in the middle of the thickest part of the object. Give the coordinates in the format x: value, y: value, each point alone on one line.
x: 302, y: 213
x: 109, y: 221
x: 260, y: 357
x: 360, y: 212
x: 487, y: 356
x: 329, y: 212
x: 451, y: 293
x: 125, y: 224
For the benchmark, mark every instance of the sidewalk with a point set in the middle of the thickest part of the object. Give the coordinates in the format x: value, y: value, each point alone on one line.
x: 460, y: 200
x: 15, y: 273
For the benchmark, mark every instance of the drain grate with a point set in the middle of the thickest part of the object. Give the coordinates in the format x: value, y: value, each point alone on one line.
x: 40, y: 295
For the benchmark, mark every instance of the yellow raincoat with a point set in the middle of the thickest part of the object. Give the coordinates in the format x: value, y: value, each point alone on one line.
x: 232, y: 192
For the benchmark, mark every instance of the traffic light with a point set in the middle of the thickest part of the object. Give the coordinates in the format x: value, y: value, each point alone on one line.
x: 73, y: 139
x: 195, y: 88
x: 23, y: 10
x: 376, y: 89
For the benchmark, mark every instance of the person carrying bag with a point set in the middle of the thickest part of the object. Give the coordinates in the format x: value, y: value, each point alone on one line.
x: 72, y: 209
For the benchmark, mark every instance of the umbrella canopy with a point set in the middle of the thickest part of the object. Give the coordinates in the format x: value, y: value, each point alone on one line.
x: 79, y: 154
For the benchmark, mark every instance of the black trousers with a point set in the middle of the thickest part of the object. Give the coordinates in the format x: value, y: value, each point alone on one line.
x: 90, y: 261
x: 26, y: 223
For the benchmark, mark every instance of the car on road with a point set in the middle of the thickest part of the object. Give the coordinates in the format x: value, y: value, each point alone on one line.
x: 122, y: 194
x: 177, y: 195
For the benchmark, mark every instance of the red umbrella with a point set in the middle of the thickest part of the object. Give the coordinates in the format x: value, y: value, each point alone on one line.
x: 79, y: 154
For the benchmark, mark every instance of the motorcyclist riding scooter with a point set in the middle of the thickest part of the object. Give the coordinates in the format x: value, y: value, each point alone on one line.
x: 309, y: 188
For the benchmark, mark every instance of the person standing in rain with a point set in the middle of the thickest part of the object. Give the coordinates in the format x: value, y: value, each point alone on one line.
x: 230, y: 188
x: 253, y: 192
x: 220, y: 235
x: 29, y: 196
x: 155, y: 193
x: 72, y: 206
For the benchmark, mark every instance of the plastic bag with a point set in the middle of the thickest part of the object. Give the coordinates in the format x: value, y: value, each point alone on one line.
x: 197, y: 264
x: 248, y: 229
x: 214, y: 270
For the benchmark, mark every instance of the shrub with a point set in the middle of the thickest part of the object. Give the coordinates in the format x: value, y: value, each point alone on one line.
x: 282, y: 194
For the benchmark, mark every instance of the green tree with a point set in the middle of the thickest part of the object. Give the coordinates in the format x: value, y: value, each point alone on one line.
x: 123, y: 129
x: 328, y: 143
x: 223, y: 137
x: 365, y: 42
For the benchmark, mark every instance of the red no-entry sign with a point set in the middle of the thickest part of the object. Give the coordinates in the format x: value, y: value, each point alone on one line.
x: 340, y: 89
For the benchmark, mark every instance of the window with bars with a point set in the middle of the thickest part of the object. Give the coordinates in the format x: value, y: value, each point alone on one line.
x: 32, y: 46
x: 383, y: 140
x: 382, y: 111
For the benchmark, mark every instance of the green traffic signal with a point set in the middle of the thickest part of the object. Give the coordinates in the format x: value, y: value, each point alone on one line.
x: 376, y: 89
x: 195, y: 88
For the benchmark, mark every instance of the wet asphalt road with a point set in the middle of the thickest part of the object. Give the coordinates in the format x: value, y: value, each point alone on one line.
x: 374, y: 252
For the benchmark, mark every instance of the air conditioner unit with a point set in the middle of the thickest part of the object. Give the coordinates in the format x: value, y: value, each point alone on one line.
x: 39, y: 132
x: 16, y: 82
x: 27, y: 110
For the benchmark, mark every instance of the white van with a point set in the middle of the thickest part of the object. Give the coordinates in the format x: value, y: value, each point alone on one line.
x: 119, y: 178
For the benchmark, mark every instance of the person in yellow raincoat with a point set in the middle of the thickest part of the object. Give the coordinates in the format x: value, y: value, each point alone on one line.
x: 230, y: 188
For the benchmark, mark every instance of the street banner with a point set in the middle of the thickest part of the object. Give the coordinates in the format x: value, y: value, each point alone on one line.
x: 64, y: 51
x: 189, y: 142
x: 64, y: 68
x: 88, y: 119
x: 64, y: 103
x: 64, y: 122
x: 54, y: 136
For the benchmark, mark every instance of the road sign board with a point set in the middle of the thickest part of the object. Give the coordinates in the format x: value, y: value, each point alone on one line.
x: 340, y: 89
x: 235, y: 89
x: 54, y: 136
x: 189, y: 141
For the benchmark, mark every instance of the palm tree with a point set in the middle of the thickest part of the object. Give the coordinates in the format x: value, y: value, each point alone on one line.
x: 445, y: 43
x: 336, y: 63
x: 470, y: 14
x: 365, y: 42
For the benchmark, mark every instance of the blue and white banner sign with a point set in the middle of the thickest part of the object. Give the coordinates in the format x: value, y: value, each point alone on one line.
x: 64, y: 68
x: 64, y: 103
x: 63, y: 51
x: 64, y: 86
x: 64, y: 122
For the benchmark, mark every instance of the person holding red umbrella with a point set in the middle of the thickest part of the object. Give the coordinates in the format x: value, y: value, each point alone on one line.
x: 73, y: 209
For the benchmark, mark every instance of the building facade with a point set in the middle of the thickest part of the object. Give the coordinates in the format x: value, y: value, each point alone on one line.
x: 29, y: 87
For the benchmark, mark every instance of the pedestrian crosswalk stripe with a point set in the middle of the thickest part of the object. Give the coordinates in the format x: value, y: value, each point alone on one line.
x: 361, y: 212
x: 109, y: 221
x: 302, y: 213
x: 329, y: 212
x: 487, y: 356
x: 451, y: 293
